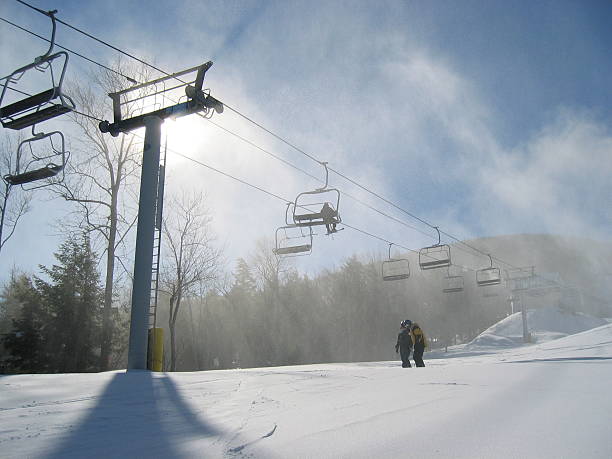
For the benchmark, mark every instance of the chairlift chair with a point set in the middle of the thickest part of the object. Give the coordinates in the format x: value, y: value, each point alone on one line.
x: 38, y: 160
x: 44, y: 105
x: 452, y: 283
x: 435, y: 256
x: 291, y: 240
x: 318, y: 207
x: 488, y: 276
x: 395, y: 268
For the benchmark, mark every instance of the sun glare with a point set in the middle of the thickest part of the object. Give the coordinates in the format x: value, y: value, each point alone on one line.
x: 182, y: 135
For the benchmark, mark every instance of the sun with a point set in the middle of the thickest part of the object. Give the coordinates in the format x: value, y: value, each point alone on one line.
x: 183, y: 136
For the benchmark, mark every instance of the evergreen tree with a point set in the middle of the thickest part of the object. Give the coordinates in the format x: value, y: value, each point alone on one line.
x: 24, y: 344
x: 73, y: 297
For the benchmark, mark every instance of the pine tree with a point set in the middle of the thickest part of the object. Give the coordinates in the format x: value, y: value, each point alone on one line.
x: 74, y: 298
x: 24, y: 344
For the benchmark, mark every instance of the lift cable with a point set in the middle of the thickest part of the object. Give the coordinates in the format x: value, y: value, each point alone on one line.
x: 280, y: 138
x: 131, y: 80
x: 278, y: 158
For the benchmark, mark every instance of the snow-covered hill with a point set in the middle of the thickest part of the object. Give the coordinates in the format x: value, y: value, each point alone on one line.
x: 548, y: 400
x: 544, y: 324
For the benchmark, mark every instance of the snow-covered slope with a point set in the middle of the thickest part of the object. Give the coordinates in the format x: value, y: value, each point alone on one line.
x: 549, y: 400
x: 544, y: 325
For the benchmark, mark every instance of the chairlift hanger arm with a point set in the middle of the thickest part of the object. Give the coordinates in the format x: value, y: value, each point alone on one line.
x: 324, y: 164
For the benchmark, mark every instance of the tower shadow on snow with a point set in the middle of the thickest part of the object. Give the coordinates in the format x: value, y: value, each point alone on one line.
x: 135, y: 414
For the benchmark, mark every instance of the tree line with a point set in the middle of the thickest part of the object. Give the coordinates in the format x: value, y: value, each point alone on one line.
x: 265, y: 314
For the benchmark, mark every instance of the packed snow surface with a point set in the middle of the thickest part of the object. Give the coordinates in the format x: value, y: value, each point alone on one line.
x: 547, y: 400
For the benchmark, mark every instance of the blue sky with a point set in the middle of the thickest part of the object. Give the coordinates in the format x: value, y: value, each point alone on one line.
x: 482, y: 117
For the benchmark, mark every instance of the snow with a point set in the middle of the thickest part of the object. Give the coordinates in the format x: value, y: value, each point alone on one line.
x: 546, y: 400
x: 544, y: 324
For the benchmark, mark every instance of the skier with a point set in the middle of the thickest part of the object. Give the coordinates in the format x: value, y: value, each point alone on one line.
x: 420, y: 343
x: 404, y: 343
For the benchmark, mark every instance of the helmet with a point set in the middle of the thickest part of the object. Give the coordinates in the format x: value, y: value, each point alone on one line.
x: 406, y: 323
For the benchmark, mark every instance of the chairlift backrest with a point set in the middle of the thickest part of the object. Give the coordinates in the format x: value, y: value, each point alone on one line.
x: 19, y: 112
x: 397, y: 269
x: 41, y: 157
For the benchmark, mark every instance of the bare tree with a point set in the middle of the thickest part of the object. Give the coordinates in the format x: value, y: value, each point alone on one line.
x: 191, y: 262
x: 100, y: 180
x: 267, y: 265
x: 10, y: 212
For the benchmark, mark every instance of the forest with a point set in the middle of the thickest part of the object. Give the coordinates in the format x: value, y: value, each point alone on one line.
x: 264, y: 314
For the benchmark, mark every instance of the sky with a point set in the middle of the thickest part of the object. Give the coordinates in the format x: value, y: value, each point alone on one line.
x: 546, y: 400
x: 484, y: 118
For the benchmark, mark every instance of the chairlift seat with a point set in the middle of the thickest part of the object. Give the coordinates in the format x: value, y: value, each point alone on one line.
x: 396, y: 277
x: 488, y: 276
x: 395, y: 270
x: 293, y: 250
x: 435, y: 256
x: 453, y: 284
x: 308, y: 217
x: 36, y: 117
x: 30, y: 102
x: 31, y: 176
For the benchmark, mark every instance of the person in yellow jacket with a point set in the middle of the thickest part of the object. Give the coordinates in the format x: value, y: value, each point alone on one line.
x: 419, y: 343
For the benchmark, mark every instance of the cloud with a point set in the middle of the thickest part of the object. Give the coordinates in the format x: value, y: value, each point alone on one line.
x: 557, y: 181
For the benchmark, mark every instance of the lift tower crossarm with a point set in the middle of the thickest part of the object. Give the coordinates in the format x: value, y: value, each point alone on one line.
x: 197, y: 101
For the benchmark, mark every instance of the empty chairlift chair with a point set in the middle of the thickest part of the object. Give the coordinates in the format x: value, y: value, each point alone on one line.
x: 452, y: 283
x: 395, y: 268
x: 40, y: 161
x: 435, y: 256
x: 293, y: 241
x: 488, y: 276
x: 17, y: 112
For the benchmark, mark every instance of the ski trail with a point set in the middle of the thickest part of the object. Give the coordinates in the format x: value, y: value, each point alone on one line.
x: 238, y: 449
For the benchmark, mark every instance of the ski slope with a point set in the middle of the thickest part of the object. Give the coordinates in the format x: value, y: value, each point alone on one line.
x: 549, y: 400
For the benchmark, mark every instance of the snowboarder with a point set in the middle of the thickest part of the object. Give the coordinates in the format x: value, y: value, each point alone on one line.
x: 404, y: 343
x: 419, y: 342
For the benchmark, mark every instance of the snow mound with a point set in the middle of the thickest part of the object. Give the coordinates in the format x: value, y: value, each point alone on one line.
x: 545, y: 324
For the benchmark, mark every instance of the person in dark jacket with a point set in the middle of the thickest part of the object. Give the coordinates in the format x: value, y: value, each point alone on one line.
x: 404, y: 343
x: 419, y: 342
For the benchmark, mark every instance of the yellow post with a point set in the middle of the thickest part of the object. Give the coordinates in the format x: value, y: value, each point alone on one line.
x: 156, y: 349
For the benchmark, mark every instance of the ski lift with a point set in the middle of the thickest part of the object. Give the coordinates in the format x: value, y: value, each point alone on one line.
x: 318, y: 207
x: 38, y: 160
x: 488, y: 276
x: 395, y: 268
x: 39, y: 107
x: 452, y: 283
x: 292, y: 240
x: 435, y: 256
